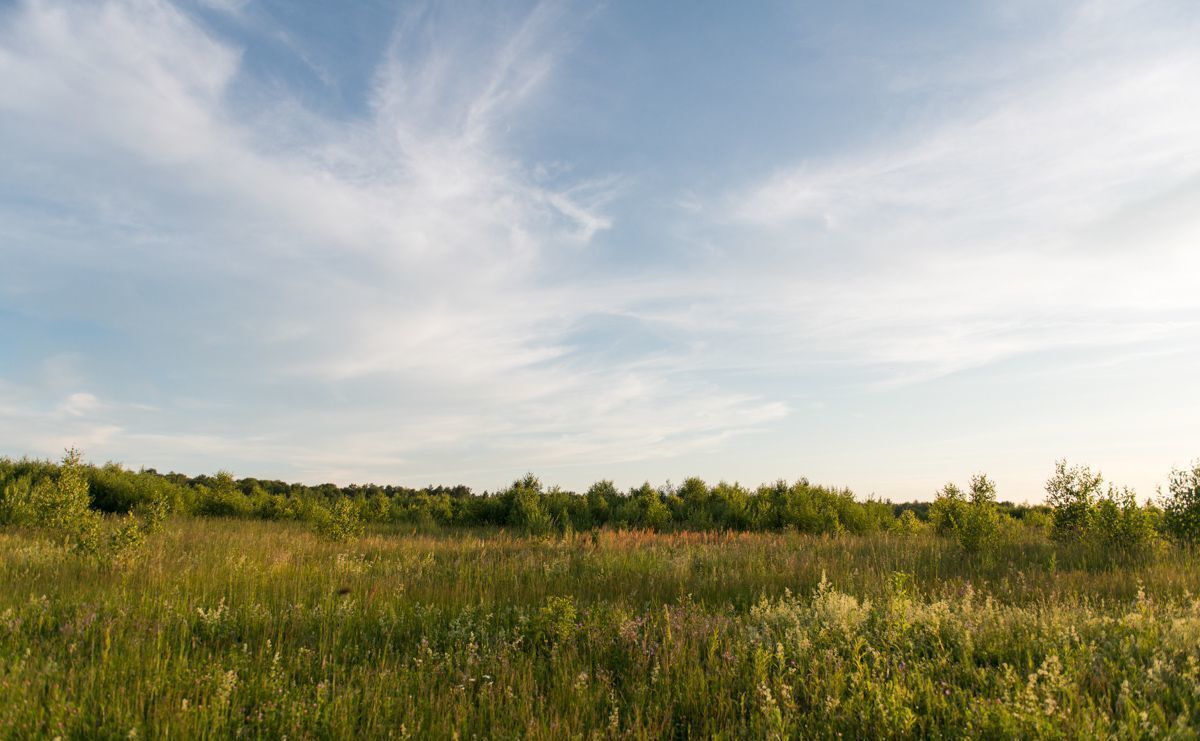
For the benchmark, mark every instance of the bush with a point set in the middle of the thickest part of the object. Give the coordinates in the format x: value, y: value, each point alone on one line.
x: 341, y: 522
x: 599, y: 497
x: 651, y: 511
x: 974, y: 522
x: 1041, y: 523
x: 222, y: 499
x: 731, y: 505
x: 556, y: 621
x: 1112, y: 523
x: 908, y: 524
x: 1071, y: 493
x: 153, y: 513
x: 697, y: 514
x: 528, y: 510
x: 126, y: 539
x: 63, y: 507
x: 16, y: 501
x: 1119, y: 525
x: 1181, y: 508
x: 948, y: 510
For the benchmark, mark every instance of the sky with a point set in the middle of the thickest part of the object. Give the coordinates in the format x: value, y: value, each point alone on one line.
x: 882, y: 245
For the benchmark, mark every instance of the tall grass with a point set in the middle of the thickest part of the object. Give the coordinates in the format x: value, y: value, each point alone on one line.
x: 262, y: 629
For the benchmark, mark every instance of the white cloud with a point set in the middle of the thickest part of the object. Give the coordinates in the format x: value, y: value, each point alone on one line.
x: 1053, y: 208
x: 79, y: 404
x: 282, y: 260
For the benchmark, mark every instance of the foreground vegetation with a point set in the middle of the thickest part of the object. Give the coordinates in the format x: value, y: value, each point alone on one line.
x: 963, y: 617
x: 267, y: 629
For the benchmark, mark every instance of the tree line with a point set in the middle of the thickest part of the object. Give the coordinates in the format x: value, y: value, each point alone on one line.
x: 1078, y: 506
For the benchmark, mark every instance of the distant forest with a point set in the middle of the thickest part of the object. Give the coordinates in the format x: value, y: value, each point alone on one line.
x: 526, y: 504
x: 67, y: 499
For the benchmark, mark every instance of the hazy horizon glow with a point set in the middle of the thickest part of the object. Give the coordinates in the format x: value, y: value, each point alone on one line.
x: 882, y: 247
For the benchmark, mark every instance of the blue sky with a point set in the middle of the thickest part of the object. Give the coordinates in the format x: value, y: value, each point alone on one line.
x: 881, y: 245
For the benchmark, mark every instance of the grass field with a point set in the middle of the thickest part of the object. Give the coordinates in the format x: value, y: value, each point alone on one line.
x: 261, y: 629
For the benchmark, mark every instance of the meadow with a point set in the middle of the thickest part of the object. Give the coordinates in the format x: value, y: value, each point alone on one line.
x: 222, y: 628
x: 214, y: 608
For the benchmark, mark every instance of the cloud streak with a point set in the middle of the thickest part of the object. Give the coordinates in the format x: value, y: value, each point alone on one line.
x: 989, y: 232
x: 357, y: 294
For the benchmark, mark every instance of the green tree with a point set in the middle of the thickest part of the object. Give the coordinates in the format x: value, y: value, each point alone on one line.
x: 972, y: 518
x: 600, y: 497
x: 339, y: 522
x: 646, y: 508
x: 528, y: 508
x: 981, y: 527
x: 948, y: 511
x: 223, y: 498
x: 1181, y: 507
x: 1071, y: 494
x: 1119, y: 524
x: 63, y: 507
x: 697, y: 511
x: 731, y: 504
x: 908, y: 524
x: 16, y: 500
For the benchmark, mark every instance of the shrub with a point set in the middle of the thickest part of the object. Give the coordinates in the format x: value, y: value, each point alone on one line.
x: 63, y: 507
x: 599, y: 495
x: 114, y: 489
x: 974, y: 522
x: 222, y: 499
x: 274, y: 507
x: 126, y: 539
x: 948, y: 510
x: 651, y: 511
x: 528, y: 510
x: 908, y: 524
x: 16, y: 501
x: 1120, y: 525
x: 1041, y: 523
x: 731, y: 505
x: 696, y: 509
x: 1181, y: 508
x: 556, y: 621
x: 1071, y: 494
x: 1112, y: 523
x: 341, y: 521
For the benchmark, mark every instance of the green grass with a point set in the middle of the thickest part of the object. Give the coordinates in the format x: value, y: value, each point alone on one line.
x: 220, y: 628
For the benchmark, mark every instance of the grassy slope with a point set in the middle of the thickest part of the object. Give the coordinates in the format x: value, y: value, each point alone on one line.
x: 225, y: 626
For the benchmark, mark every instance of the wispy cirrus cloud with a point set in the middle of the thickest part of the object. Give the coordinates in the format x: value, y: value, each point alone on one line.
x: 1002, y: 225
x: 359, y: 293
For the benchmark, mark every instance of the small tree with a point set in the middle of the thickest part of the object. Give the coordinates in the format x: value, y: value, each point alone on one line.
x: 16, y: 501
x: 948, y: 510
x: 1071, y: 494
x: 598, y: 497
x: 341, y: 522
x: 972, y: 520
x: 1120, y: 524
x: 908, y: 523
x: 981, y: 526
x: 63, y: 507
x: 647, y: 508
x: 1181, y: 507
x: 696, y: 507
x: 528, y: 508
